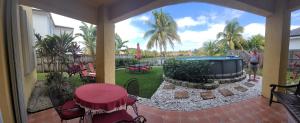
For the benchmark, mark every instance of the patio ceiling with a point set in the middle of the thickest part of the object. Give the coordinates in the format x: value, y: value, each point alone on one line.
x: 86, y: 10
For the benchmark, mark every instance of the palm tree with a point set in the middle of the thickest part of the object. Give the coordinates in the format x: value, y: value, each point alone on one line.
x: 231, y: 35
x: 120, y: 44
x: 256, y: 41
x: 162, y: 31
x: 89, y: 36
x: 212, y: 48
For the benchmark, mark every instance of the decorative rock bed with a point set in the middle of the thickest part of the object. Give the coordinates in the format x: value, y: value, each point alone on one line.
x: 214, y: 82
x: 202, y: 98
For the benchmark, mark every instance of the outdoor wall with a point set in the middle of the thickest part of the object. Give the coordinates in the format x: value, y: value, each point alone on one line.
x: 42, y: 22
x: 5, y: 96
x: 294, y: 43
x: 29, y: 83
x: 28, y: 55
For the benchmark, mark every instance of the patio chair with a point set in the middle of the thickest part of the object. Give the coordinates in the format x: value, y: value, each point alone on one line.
x: 133, y: 90
x: 85, y: 75
x: 288, y: 98
x: 91, y: 67
x: 132, y: 69
x: 120, y: 116
x: 66, y: 109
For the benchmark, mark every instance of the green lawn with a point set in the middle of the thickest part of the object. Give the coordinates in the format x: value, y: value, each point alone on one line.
x: 149, y: 82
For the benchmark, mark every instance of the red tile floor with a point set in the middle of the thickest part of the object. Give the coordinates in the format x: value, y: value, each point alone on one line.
x: 255, y: 110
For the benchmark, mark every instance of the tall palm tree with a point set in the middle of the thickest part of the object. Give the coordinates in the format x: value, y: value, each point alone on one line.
x: 256, y: 41
x: 89, y: 36
x: 232, y: 35
x: 163, y: 31
x: 120, y: 44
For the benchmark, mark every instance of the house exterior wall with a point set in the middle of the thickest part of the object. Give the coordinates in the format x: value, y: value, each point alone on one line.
x: 30, y: 76
x: 42, y: 23
x: 294, y: 43
x: 60, y: 30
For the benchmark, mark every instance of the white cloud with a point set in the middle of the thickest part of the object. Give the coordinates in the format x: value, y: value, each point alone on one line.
x: 127, y: 31
x: 189, y: 21
x: 254, y: 29
x: 143, y: 18
x: 294, y: 26
x: 198, y: 37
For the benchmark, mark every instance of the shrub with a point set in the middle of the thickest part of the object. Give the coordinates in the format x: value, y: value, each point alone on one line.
x: 122, y: 62
x: 187, y: 70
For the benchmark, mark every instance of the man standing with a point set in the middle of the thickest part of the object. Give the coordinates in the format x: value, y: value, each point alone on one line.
x: 254, y: 64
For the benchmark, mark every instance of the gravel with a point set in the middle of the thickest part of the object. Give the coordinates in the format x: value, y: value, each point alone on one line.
x: 164, y: 98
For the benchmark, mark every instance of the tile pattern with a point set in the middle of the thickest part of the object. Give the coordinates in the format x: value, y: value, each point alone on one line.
x: 255, y: 110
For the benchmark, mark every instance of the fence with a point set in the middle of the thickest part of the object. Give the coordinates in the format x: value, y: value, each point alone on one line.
x: 43, y: 66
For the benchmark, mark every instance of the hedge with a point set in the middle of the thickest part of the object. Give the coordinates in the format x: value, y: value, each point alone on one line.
x: 122, y: 62
x: 187, y: 70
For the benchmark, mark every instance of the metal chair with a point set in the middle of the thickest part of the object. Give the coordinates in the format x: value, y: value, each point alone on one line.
x: 67, y: 109
x: 133, y: 89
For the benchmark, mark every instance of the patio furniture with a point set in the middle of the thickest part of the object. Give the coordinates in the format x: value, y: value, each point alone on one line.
x: 85, y: 75
x: 138, y: 68
x: 91, y: 67
x: 66, y: 109
x: 120, y: 116
x: 291, y: 101
x: 133, y: 90
x: 101, y: 97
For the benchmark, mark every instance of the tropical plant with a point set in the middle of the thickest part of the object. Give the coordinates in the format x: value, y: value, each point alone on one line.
x: 54, y: 48
x: 163, y: 31
x: 120, y: 44
x: 232, y: 35
x: 256, y: 41
x: 211, y: 48
x: 89, y: 36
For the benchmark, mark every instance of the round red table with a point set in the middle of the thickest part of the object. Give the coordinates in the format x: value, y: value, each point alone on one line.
x: 99, y: 96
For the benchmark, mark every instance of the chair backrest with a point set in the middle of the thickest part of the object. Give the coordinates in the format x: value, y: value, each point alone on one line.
x: 56, y: 97
x: 298, y: 89
x: 84, y: 73
x: 132, y: 87
x: 91, y: 66
x: 82, y: 66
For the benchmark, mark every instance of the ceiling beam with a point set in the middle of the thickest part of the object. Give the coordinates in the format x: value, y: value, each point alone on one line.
x: 294, y: 5
x: 127, y: 8
x: 71, y: 8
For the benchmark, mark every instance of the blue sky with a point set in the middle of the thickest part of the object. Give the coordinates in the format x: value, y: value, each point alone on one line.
x: 197, y: 22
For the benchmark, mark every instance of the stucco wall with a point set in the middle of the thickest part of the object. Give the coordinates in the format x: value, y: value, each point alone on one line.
x: 5, y: 96
x: 30, y: 75
x: 29, y: 83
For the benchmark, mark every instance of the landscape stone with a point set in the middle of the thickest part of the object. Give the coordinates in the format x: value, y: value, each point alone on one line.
x: 169, y: 86
x: 181, y: 94
x: 248, y: 84
x: 240, y: 88
x: 225, y: 92
x: 207, y: 95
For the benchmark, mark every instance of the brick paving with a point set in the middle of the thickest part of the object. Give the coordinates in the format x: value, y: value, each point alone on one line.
x: 255, y: 110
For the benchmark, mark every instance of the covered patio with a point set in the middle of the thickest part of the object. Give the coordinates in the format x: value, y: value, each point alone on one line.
x: 254, y: 110
x: 105, y: 13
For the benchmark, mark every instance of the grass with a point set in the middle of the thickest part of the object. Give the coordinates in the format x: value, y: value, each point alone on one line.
x: 149, y: 82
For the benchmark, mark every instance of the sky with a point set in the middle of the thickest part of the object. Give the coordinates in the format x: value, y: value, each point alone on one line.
x: 197, y: 23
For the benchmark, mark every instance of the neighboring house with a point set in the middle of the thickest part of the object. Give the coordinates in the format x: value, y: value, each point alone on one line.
x: 44, y: 24
x: 294, y: 46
